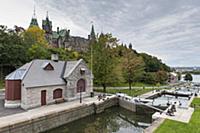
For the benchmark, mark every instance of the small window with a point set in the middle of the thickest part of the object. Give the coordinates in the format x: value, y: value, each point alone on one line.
x: 82, y: 71
x: 57, y: 93
x: 48, y: 66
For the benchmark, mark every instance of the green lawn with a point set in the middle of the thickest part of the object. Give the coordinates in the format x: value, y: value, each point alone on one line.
x: 137, y: 84
x: 170, y: 126
x: 1, y: 84
x: 132, y: 92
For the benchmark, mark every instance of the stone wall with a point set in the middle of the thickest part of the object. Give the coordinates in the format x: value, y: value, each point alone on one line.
x: 71, y: 92
x: 76, y: 43
x: 55, y: 119
x: 127, y: 105
x: 32, y: 96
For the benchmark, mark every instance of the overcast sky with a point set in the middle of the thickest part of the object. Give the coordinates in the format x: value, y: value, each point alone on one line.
x: 168, y: 29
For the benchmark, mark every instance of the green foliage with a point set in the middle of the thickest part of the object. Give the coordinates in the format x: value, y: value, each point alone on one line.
x: 12, y: 50
x: 133, y: 67
x: 133, y: 92
x: 112, y: 63
x: 188, y: 77
x: 152, y: 64
x: 38, y: 51
x: 1, y: 84
x: 103, y: 62
x: 161, y: 77
x: 149, y: 78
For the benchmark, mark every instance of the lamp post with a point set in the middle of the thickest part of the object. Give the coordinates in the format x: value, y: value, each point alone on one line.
x: 80, y: 94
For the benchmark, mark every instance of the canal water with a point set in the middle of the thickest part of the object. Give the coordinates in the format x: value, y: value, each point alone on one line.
x: 112, y: 120
x: 196, y: 78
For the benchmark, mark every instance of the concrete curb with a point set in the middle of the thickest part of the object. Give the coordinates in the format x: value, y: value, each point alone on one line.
x: 154, y: 125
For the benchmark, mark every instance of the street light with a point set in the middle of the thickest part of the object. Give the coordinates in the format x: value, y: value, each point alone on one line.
x: 80, y: 89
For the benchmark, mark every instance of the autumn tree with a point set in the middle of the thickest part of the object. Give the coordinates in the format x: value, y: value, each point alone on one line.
x: 37, y: 45
x: 133, y: 65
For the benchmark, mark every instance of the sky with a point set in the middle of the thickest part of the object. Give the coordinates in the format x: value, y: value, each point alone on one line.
x: 168, y: 29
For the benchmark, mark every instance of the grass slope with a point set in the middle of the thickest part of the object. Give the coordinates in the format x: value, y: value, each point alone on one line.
x: 132, y: 92
x: 170, y: 126
x: 1, y: 84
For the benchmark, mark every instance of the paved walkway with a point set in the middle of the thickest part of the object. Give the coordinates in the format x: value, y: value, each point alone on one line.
x: 44, y: 110
x: 181, y: 115
x: 148, y: 94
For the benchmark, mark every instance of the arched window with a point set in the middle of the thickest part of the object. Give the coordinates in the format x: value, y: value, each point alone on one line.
x: 57, y: 93
x: 81, y: 85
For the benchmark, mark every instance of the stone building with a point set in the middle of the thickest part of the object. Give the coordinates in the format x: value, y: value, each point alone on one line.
x: 43, y: 82
x: 173, y: 77
x: 62, y: 38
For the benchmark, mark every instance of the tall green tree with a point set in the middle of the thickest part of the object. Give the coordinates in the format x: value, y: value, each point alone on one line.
x: 12, y: 51
x: 188, y: 77
x: 133, y: 66
x: 103, y: 62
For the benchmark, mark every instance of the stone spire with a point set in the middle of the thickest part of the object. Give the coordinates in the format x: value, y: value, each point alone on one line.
x: 34, y: 19
x: 47, y: 15
x: 47, y: 25
x: 92, y: 33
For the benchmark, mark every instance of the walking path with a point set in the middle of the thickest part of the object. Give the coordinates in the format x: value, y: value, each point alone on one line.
x: 44, y: 110
x: 182, y: 115
x: 148, y: 94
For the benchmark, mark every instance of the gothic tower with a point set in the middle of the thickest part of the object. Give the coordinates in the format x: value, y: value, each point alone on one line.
x: 92, y: 36
x: 47, y: 25
x: 34, y: 20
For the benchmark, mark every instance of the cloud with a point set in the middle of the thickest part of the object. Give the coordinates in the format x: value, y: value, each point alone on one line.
x: 168, y: 29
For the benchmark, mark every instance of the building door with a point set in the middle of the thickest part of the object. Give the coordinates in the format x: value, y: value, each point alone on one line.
x: 81, y: 85
x: 43, y: 97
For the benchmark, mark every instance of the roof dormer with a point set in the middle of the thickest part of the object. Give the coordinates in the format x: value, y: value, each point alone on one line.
x: 47, y: 66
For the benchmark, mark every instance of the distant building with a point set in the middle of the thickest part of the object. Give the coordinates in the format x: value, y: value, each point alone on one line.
x: 62, y: 38
x: 173, y: 77
x: 43, y: 82
x: 186, y: 69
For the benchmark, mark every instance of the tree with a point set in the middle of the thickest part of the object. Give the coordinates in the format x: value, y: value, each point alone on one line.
x: 35, y: 35
x: 37, y: 44
x: 153, y: 64
x: 132, y: 67
x: 12, y: 51
x: 161, y: 77
x: 179, y: 76
x: 103, y: 62
x: 130, y: 46
x: 188, y: 77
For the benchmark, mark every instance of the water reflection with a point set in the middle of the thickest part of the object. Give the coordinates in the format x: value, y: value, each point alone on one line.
x: 112, y: 120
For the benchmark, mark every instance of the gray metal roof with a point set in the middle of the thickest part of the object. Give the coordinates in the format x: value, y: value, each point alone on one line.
x: 33, y: 75
x: 71, y: 65
x: 19, y: 73
x: 37, y: 76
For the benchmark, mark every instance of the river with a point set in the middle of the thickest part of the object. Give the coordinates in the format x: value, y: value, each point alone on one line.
x: 196, y: 78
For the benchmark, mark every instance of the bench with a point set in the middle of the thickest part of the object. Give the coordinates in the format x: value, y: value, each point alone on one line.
x: 59, y: 100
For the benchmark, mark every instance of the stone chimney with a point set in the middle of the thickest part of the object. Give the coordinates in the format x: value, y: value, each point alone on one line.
x: 54, y: 57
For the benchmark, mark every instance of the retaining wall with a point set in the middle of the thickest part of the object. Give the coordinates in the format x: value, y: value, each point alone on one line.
x: 55, y: 119
x: 127, y: 105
